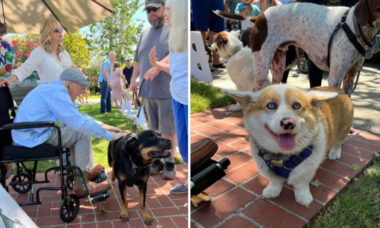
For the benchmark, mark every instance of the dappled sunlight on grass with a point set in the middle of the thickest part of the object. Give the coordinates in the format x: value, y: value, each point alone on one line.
x: 204, y: 96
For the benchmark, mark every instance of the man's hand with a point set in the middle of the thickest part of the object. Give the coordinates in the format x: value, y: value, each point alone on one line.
x: 116, y: 136
x: 111, y: 128
x: 133, y: 86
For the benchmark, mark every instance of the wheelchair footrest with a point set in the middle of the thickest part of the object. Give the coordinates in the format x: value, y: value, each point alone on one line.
x: 98, y: 197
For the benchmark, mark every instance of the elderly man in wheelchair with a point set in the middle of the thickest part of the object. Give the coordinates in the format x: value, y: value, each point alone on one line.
x: 53, y: 102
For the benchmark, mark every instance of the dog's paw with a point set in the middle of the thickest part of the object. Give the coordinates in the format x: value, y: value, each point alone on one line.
x: 271, y: 191
x: 124, y: 217
x: 148, y: 220
x: 303, y: 197
x: 235, y: 108
x: 334, y: 154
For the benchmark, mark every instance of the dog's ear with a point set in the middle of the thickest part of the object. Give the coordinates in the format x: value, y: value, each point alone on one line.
x: 131, y: 141
x: 319, y: 97
x: 221, y: 39
x: 362, y: 12
x: 245, y: 98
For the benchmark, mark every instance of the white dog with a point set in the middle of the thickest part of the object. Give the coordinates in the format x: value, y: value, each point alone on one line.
x: 239, y: 61
x: 291, y: 131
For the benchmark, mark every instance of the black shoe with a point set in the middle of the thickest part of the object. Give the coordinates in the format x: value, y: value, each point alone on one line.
x: 169, y: 171
x: 156, y: 167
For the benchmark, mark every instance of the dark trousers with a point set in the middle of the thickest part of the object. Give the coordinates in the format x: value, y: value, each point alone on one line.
x: 105, y: 97
x: 315, y: 74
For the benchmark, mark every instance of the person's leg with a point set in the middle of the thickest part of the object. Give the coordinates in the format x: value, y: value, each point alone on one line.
x: 181, y: 124
x: 216, y: 24
x: 167, y: 128
x: 87, y: 93
x: 103, y: 96
x: 315, y: 74
x: 108, y: 100
x: 81, y: 152
x: 79, y: 143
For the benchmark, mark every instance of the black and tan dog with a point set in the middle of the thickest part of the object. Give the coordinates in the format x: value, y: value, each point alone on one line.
x: 130, y: 157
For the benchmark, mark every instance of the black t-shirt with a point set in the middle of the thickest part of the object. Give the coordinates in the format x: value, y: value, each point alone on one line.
x: 128, y: 74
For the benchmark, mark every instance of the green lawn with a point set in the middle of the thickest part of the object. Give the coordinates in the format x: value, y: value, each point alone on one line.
x: 357, y: 206
x: 204, y: 96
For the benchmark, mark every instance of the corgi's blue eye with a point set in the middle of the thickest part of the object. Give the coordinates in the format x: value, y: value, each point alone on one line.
x: 296, y: 105
x: 271, y: 105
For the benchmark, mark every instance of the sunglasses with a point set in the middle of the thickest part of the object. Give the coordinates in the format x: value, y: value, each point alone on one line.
x: 151, y: 9
x: 58, y: 29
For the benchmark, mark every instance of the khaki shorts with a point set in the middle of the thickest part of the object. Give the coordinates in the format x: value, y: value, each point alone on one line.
x: 159, y: 115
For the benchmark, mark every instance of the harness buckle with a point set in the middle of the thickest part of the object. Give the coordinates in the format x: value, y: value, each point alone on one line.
x: 276, y: 163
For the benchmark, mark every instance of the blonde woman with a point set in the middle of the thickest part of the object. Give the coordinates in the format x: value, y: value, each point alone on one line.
x: 176, y: 64
x: 49, y: 59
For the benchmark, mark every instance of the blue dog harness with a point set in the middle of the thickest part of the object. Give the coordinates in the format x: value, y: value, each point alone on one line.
x: 283, y: 168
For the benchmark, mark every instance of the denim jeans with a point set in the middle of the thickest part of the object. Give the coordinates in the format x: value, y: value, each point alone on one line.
x: 105, y: 97
x: 181, y: 119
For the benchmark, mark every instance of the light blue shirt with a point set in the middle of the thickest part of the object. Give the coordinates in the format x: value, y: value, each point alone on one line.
x: 106, y: 63
x: 178, y: 71
x: 50, y: 101
x: 255, y: 11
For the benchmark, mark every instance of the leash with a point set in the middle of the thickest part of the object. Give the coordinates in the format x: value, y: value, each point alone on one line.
x: 134, y: 125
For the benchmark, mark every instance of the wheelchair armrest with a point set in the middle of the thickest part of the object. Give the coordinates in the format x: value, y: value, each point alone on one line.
x: 26, y: 125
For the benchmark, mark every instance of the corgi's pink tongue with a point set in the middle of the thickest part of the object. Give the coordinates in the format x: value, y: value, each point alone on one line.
x: 286, y: 141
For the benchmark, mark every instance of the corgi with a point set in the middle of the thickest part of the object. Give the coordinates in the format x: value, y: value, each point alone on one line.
x: 239, y: 61
x: 291, y: 132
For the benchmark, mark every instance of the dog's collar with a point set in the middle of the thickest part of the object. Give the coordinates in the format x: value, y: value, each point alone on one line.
x: 236, y: 50
x: 282, y: 165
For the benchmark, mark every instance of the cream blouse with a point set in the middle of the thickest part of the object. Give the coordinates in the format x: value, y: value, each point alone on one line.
x: 47, y: 65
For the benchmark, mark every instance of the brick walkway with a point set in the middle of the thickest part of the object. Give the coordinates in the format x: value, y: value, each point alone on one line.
x: 167, y: 210
x: 236, y: 199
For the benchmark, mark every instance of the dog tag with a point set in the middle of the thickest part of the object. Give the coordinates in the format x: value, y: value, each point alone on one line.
x: 368, y: 54
x: 277, y: 163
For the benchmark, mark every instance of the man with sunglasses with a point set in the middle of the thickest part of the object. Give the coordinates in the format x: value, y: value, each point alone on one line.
x: 157, y: 98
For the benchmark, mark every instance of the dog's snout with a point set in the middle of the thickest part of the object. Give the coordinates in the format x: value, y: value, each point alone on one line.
x: 288, y: 123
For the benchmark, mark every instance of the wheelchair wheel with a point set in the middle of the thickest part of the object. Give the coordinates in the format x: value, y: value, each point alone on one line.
x: 21, y: 183
x: 69, y: 208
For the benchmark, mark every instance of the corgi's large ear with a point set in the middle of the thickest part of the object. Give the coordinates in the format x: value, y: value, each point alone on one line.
x: 319, y: 97
x: 245, y: 98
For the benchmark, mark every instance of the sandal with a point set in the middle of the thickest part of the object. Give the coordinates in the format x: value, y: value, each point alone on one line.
x: 92, y: 173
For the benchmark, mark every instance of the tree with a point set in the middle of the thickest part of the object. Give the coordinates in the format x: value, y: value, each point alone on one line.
x: 75, y: 45
x: 117, y: 33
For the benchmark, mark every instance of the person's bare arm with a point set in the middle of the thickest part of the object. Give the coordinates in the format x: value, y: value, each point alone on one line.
x: 162, y: 65
x: 135, y: 73
x: 105, y: 72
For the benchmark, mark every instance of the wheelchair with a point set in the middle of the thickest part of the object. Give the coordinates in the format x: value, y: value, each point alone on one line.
x: 204, y: 170
x: 25, y: 178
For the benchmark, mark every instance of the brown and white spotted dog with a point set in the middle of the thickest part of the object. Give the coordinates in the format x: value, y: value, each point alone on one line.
x: 310, y: 26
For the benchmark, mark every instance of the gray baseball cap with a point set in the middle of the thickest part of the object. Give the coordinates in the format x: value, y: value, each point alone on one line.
x: 154, y: 3
x: 73, y: 75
